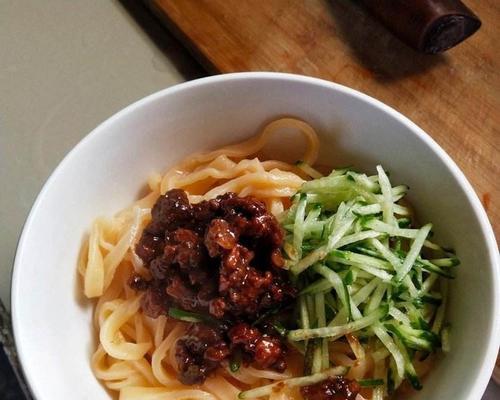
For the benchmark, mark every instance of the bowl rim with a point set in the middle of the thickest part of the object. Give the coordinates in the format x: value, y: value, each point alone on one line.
x: 483, y: 373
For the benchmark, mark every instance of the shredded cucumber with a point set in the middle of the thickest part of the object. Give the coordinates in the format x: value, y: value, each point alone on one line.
x: 391, y: 347
x: 415, y: 249
x: 337, y: 331
x: 337, y: 284
x: 319, y: 301
x: 362, y: 270
x: 187, y: 316
x: 383, y: 227
x: 370, y: 382
x: 321, y: 285
x: 387, y: 205
x: 292, y: 382
x: 298, y: 232
x: 320, y: 253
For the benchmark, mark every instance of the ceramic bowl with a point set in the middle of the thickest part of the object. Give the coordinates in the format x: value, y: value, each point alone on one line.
x: 107, y: 169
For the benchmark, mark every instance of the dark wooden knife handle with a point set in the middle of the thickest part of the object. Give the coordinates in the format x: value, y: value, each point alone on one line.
x: 430, y: 26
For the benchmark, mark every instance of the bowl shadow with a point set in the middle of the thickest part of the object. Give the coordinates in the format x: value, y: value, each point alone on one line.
x: 163, y: 39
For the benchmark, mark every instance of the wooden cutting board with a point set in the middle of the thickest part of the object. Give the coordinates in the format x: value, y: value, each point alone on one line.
x: 455, y: 96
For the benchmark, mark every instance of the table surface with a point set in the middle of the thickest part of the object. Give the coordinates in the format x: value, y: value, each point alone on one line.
x: 64, y: 68
x: 454, y: 97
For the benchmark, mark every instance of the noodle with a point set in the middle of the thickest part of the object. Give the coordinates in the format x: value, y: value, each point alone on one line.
x: 136, y: 354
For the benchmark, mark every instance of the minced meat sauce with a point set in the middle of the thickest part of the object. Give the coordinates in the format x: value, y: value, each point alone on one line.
x: 221, y: 258
x: 335, y: 388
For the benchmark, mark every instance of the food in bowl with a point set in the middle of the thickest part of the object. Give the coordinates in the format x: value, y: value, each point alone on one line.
x: 236, y: 277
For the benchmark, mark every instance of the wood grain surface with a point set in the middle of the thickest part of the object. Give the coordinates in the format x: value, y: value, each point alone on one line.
x: 455, y: 96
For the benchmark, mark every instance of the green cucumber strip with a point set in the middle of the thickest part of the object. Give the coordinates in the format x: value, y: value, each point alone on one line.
x: 320, y: 285
x: 304, y: 313
x: 395, y: 262
x: 382, y: 227
x: 353, y: 311
x: 311, y: 311
x: 386, y: 188
x: 397, y: 243
x: 313, y: 227
x: 368, y: 209
x: 424, y: 334
x: 403, y: 222
x: 415, y: 249
x: 396, y: 380
x: 361, y: 275
x: 341, y: 171
x: 426, y: 265
x: 338, y: 331
x: 337, y: 284
x: 399, y: 191
x: 288, y: 217
x: 346, y: 257
x: 410, y: 286
x: 376, y: 298
x: 400, y: 210
x: 439, y: 317
x: 419, y: 277
x: 320, y: 253
x: 410, y: 372
x: 279, y: 328
x: 383, y: 275
x: 187, y: 316
x: 399, y: 315
x: 292, y: 382
x: 389, y: 344
x: 317, y: 358
x: 446, y: 262
x: 376, y: 208
x: 298, y: 227
x: 436, y: 247
x: 392, y: 258
x: 362, y: 294
x: 430, y: 267
x: 363, y: 181
x: 339, y: 216
x: 319, y: 302
x: 289, y: 251
x: 409, y: 340
x: 235, y: 362
x: 310, y: 347
x: 330, y: 201
x: 378, y: 392
x: 348, y: 278
x: 357, y: 237
x: 370, y: 382
x: 359, y: 297
x: 328, y: 184
x: 434, y: 299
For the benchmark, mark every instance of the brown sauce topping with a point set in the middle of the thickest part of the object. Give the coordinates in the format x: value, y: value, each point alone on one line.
x: 335, y: 388
x: 220, y: 258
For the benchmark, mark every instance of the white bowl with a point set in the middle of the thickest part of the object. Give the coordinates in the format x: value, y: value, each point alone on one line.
x: 106, y: 170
